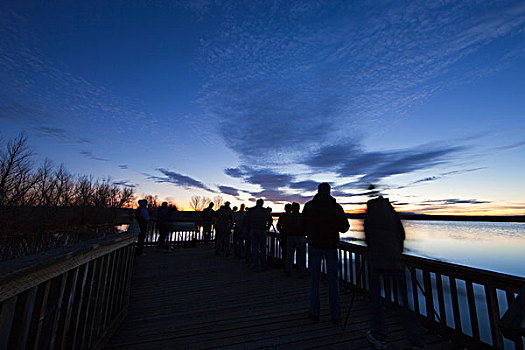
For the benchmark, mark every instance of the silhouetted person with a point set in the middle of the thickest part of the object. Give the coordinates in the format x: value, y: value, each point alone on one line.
x: 223, y: 229
x: 163, y: 223
x: 207, y: 217
x: 238, y: 225
x: 142, y: 217
x: 259, y: 221
x: 384, y: 236
x: 296, y: 242
x: 282, y: 231
x: 322, y: 220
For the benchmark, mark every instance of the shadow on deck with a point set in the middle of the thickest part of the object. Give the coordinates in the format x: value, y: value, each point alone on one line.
x: 191, y: 299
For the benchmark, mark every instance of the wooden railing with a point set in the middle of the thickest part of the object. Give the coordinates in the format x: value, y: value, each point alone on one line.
x: 72, y: 298
x: 179, y: 232
x: 464, y: 302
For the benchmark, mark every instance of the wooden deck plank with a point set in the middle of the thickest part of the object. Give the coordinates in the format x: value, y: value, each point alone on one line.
x: 191, y: 299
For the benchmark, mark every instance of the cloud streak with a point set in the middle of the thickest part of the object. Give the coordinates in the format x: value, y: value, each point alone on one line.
x: 89, y: 155
x: 280, y: 84
x: 179, y: 180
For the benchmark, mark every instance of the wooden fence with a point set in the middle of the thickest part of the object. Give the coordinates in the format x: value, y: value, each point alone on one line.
x: 464, y: 302
x: 72, y: 298
x: 179, y: 232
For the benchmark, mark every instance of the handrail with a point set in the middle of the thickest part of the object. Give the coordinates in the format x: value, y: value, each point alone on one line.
x: 70, y: 298
x: 436, y: 290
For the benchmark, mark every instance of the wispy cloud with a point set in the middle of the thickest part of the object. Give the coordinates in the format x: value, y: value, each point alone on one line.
x: 452, y: 201
x: 38, y: 88
x: 288, y: 90
x: 178, y: 179
x: 89, y: 155
x: 232, y: 191
x: 49, y: 131
x: 125, y: 183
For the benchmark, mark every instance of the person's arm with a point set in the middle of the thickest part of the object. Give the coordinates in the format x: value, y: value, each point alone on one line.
x: 144, y: 213
x: 280, y: 224
x: 344, y: 225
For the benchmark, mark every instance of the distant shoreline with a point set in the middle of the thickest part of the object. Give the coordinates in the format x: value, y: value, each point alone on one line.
x: 426, y: 217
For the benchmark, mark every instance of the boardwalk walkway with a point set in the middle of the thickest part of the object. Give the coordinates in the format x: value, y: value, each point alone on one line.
x: 191, y: 299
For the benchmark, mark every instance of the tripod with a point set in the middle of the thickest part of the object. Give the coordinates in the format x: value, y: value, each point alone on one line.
x: 359, y: 279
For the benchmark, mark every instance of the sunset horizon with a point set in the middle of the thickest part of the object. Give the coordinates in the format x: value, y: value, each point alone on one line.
x: 254, y: 100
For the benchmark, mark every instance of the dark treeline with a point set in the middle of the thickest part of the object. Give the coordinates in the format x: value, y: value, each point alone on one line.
x: 45, y: 206
x: 23, y: 184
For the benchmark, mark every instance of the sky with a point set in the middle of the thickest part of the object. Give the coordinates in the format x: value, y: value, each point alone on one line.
x: 266, y: 99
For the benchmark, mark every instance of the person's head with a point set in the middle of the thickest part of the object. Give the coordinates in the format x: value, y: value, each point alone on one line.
x: 295, y: 207
x: 164, y: 204
x: 235, y: 208
x: 259, y: 202
x: 287, y: 207
x: 242, y: 207
x: 324, y: 188
x: 143, y: 203
x: 211, y: 205
x: 227, y: 204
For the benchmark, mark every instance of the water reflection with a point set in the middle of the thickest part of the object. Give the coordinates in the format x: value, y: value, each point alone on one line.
x: 487, y: 245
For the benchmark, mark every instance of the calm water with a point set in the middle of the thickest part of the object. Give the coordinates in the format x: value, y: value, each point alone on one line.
x: 487, y: 245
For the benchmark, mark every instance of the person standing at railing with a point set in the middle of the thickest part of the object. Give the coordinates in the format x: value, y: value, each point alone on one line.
x: 142, y: 217
x: 296, y: 242
x: 223, y: 230
x: 207, y: 217
x: 238, y: 224
x: 281, y: 227
x: 259, y: 221
x: 384, y: 237
x: 162, y: 222
x: 321, y: 221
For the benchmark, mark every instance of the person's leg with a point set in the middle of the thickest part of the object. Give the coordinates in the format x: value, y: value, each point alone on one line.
x: 415, y: 331
x: 255, y: 249
x: 248, y: 247
x: 141, y: 238
x: 219, y: 234
x: 262, y: 245
x: 284, y: 250
x: 206, y: 232
x: 226, y: 241
x: 315, y: 273
x: 332, y: 265
x: 301, y: 255
x: 289, y: 254
x: 377, y: 325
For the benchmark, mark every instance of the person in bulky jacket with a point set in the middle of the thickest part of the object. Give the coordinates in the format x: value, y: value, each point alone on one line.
x: 295, y: 241
x: 259, y: 221
x: 223, y: 229
x: 321, y: 221
x: 384, y: 237
x: 207, y: 217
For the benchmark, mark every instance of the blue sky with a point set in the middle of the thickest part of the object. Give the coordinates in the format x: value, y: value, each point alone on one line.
x: 425, y: 99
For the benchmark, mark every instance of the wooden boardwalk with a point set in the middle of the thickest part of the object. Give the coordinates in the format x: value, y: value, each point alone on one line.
x: 191, y: 299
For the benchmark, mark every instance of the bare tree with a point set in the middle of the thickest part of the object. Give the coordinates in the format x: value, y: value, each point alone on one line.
x: 197, y: 203
x: 84, y: 191
x: 205, y: 202
x: 15, y: 165
x: 153, y: 200
x: 218, y: 201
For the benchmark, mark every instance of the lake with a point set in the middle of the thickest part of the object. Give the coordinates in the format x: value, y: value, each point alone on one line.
x: 494, y: 246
